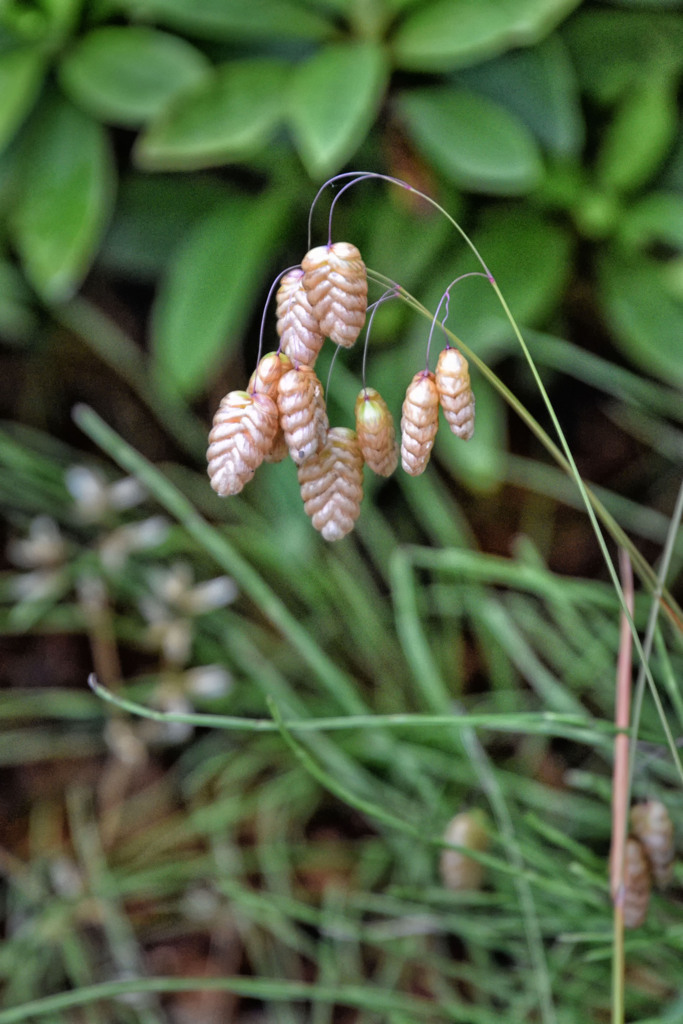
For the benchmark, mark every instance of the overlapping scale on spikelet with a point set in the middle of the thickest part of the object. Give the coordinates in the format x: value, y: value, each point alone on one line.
x: 651, y: 824
x: 265, y: 381
x: 303, y: 415
x: 243, y: 432
x: 455, y: 394
x: 300, y: 335
x: 336, y: 284
x: 332, y: 484
x: 637, y: 884
x: 458, y: 871
x: 419, y: 422
x: 376, y: 432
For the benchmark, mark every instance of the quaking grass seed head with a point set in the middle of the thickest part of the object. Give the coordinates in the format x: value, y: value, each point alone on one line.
x: 376, y: 432
x: 243, y: 431
x: 300, y: 334
x: 637, y: 883
x: 419, y: 422
x: 266, y: 377
x: 652, y: 825
x: 331, y: 484
x: 303, y: 414
x: 335, y: 281
x: 455, y: 393
x: 458, y: 871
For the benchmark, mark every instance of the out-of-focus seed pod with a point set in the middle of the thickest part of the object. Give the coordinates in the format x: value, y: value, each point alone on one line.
x: 458, y: 871
x: 332, y: 484
x: 376, y: 432
x: 455, y: 394
x: 243, y: 431
x: 299, y: 331
x: 337, y: 287
x: 303, y: 415
x: 266, y: 377
x: 651, y: 824
x: 419, y: 422
x: 637, y: 883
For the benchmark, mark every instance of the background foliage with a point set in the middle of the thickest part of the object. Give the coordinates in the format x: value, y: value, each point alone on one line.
x: 158, y: 160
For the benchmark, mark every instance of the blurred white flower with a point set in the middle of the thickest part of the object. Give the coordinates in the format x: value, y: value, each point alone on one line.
x: 115, y: 547
x: 174, y: 600
x: 94, y: 497
x: 207, y: 681
x: 43, y: 548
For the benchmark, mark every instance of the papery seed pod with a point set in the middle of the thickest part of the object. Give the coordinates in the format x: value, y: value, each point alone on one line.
x: 376, y: 433
x: 303, y: 415
x: 265, y: 380
x: 266, y: 376
x: 455, y: 394
x: 651, y: 824
x: 337, y: 287
x: 243, y: 431
x: 300, y: 335
x: 332, y: 484
x: 458, y: 871
x: 419, y: 422
x: 637, y: 884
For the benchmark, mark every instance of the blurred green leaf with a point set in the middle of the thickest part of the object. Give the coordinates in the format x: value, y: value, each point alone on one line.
x: 475, y: 142
x: 21, y: 75
x: 334, y: 99
x: 227, y: 117
x: 615, y: 51
x: 65, y: 198
x: 205, y: 301
x: 640, y: 135
x: 152, y: 216
x: 644, y: 312
x: 480, y: 462
x: 656, y: 219
x: 539, y: 86
x: 218, y: 19
x: 447, y: 34
x: 127, y: 75
x: 17, y: 317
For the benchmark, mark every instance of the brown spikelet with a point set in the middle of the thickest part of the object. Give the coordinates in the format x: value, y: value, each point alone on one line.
x: 637, y: 884
x: 455, y: 394
x: 376, y: 433
x: 419, y: 422
x: 243, y: 431
x: 458, y: 871
x: 337, y: 287
x: 651, y: 824
x: 266, y: 376
x: 303, y: 415
x: 332, y: 484
x: 300, y: 334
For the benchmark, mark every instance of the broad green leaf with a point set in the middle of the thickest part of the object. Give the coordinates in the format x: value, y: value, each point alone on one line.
x: 233, y: 19
x: 152, y: 217
x: 65, y: 199
x: 657, y: 219
x: 475, y: 142
x: 480, y: 462
x: 21, y: 74
x: 206, y: 299
x: 447, y: 34
x: 228, y: 116
x: 539, y: 86
x: 642, y: 132
x: 17, y: 317
x: 644, y: 312
x: 127, y: 75
x: 640, y: 43
x: 335, y: 97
